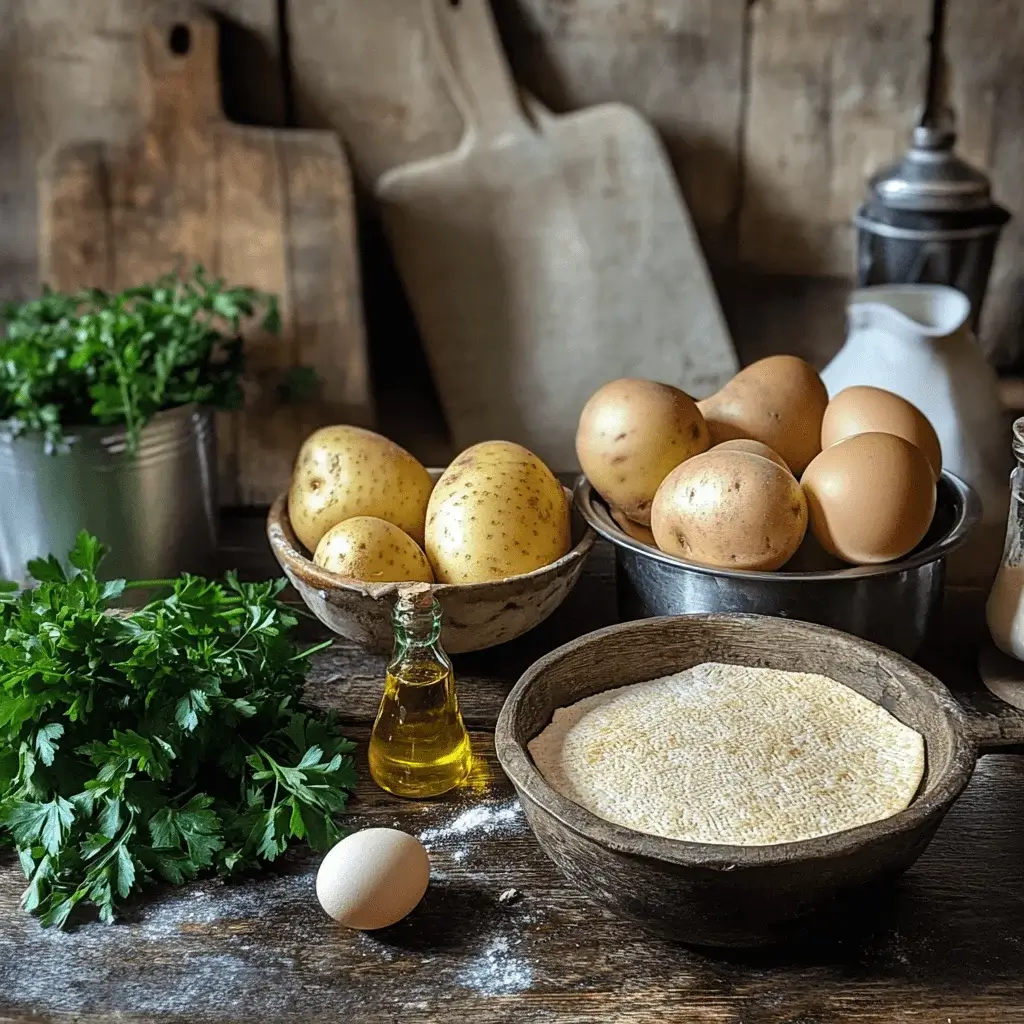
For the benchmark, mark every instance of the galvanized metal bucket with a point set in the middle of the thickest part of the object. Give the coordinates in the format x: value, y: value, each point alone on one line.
x: 155, y: 510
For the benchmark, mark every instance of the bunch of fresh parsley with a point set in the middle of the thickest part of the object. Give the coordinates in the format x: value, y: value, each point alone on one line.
x: 155, y: 745
x: 92, y: 357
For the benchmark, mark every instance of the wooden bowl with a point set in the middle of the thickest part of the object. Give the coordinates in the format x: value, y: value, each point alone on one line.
x: 476, y: 615
x: 719, y: 895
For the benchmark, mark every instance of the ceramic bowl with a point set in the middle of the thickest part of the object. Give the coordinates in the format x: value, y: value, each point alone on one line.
x: 475, y: 616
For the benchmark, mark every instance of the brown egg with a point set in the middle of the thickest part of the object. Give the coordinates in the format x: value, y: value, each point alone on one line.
x: 632, y: 434
x: 631, y: 529
x: 871, y: 498
x: 730, y: 509
x: 751, y: 447
x: 778, y: 401
x: 863, y: 410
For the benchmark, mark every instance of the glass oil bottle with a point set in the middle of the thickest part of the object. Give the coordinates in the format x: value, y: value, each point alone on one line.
x: 419, y: 746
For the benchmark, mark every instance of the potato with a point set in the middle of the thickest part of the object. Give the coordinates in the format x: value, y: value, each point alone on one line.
x: 373, y: 550
x: 497, y: 511
x: 779, y: 401
x: 631, y: 435
x: 730, y: 509
x: 343, y: 472
x: 631, y: 529
x: 746, y: 444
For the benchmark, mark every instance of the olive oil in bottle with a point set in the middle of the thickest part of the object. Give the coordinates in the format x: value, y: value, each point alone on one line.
x: 419, y: 746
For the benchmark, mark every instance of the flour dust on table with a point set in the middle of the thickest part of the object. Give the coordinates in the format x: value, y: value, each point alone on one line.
x: 481, y: 819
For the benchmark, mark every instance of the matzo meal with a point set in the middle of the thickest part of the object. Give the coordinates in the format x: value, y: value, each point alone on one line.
x: 731, y: 754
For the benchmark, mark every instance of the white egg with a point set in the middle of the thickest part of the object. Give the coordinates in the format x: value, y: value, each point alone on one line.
x: 373, y: 878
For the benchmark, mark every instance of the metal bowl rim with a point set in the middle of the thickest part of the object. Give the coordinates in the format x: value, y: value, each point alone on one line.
x: 592, y: 507
x: 531, y: 784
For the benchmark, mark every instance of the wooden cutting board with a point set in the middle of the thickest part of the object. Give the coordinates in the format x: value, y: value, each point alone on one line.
x: 545, y: 257
x: 268, y: 208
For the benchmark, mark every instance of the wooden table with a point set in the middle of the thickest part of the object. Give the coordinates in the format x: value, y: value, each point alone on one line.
x: 500, y: 936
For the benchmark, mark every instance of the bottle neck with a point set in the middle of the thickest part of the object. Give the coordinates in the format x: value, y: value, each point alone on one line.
x: 423, y: 630
x: 416, y: 620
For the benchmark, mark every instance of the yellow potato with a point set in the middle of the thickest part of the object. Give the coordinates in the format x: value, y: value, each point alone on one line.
x: 373, y: 550
x: 343, y: 472
x: 497, y: 511
x: 730, y: 509
x: 632, y: 434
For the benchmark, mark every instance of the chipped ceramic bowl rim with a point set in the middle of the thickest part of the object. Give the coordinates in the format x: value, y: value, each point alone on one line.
x: 966, y: 513
x: 292, y: 556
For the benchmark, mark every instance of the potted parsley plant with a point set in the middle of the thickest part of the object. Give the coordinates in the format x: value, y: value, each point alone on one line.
x: 106, y: 420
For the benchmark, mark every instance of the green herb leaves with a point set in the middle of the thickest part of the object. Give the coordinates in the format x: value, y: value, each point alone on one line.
x: 156, y: 746
x: 91, y: 357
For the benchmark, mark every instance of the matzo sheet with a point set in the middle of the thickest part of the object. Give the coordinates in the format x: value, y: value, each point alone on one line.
x: 731, y: 754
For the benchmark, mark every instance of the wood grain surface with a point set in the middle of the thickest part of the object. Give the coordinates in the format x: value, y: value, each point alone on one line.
x: 833, y: 90
x: 71, y: 70
x: 259, y: 207
x: 679, y: 62
x: 946, y: 944
x: 365, y: 70
x: 525, y: 214
x: 986, y: 51
x: 774, y: 113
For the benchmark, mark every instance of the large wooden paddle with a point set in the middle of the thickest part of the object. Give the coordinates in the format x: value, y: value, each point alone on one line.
x: 545, y: 256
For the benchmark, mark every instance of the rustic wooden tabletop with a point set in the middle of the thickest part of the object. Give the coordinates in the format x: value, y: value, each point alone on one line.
x: 501, y: 937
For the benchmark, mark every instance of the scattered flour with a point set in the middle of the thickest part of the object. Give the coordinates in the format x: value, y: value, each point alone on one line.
x: 209, y: 902
x: 497, y: 972
x: 118, y: 959
x: 215, y: 972
x: 380, y: 949
x: 484, y: 820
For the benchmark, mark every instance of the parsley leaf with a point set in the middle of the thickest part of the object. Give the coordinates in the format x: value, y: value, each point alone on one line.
x: 156, y: 746
x: 119, y: 359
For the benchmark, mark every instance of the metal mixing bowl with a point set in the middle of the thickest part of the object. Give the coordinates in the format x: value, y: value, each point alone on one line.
x: 893, y: 604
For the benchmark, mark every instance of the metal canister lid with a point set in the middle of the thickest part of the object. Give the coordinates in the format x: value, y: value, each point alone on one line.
x: 931, y: 178
x: 1017, y: 443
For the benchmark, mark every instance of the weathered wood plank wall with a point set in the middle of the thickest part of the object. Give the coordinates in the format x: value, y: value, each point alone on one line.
x: 831, y: 89
x: 71, y: 70
x: 986, y: 47
x: 774, y: 113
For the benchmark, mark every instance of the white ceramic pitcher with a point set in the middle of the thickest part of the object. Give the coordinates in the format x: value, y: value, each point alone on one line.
x: 915, y: 340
